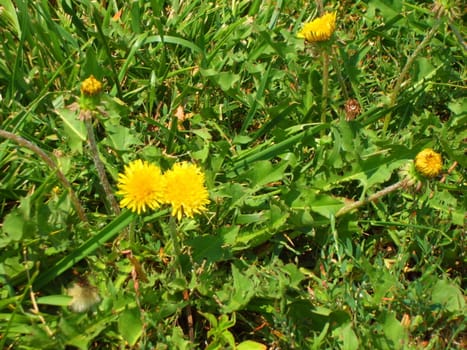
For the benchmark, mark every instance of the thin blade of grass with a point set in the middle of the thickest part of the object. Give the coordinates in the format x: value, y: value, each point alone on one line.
x: 274, y: 150
x: 88, y: 247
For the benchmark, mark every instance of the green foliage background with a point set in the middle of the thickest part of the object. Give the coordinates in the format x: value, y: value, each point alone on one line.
x: 270, y: 265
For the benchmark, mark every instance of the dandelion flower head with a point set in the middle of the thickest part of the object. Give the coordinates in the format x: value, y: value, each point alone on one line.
x: 319, y: 29
x: 428, y: 163
x: 141, y: 185
x: 84, y: 297
x: 185, y: 190
x: 91, y: 86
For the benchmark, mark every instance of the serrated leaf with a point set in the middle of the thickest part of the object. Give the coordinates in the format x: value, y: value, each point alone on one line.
x: 263, y: 172
x: 226, y: 80
x: 243, y: 291
x: 120, y: 138
x: 276, y: 218
x: 209, y: 248
x: 369, y: 172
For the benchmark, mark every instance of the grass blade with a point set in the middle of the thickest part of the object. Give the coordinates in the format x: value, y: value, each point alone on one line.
x: 107, y: 233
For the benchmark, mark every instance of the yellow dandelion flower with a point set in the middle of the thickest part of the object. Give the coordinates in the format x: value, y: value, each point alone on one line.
x: 141, y: 185
x: 319, y: 29
x: 91, y: 86
x: 428, y: 163
x: 185, y: 190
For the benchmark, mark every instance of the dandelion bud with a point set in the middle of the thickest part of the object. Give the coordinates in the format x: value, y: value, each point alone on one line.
x: 91, y: 86
x: 91, y: 89
x: 410, y: 176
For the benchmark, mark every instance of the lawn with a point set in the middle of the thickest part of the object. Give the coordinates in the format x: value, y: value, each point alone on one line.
x: 236, y: 174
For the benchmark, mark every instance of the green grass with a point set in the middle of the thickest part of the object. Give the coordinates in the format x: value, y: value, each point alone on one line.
x: 277, y: 261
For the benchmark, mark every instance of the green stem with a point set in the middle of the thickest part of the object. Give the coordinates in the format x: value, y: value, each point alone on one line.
x: 400, y: 80
x: 99, y: 165
x: 50, y: 162
x: 320, y: 7
x: 324, y: 95
x: 175, y: 242
x: 339, y: 76
x: 373, y: 197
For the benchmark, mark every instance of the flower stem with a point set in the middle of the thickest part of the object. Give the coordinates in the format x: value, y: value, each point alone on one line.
x: 400, y: 80
x: 99, y: 165
x: 175, y: 242
x: 50, y: 162
x: 325, y: 92
x: 335, y: 64
x: 373, y: 197
x: 319, y: 6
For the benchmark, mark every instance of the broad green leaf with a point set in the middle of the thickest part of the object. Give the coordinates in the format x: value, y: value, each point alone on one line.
x: 226, y: 80
x: 82, y: 336
x: 243, y: 291
x: 369, y: 172
x: 208, y: 247
x: 395, y: 333
x: 74, y: 129
x: 57, y: 300
x: 210, y: 317
x: 449, y: 296
x: 178, y: 341
x: 251, y: 345
x: 72, y: 335
x: 423, y: 69
x: 12, y: 267
x: 295, y: 275
x: 130, y: 325
x: 120, y: 138
x: 14, y: 225
x: 348, y: 336
x: 276, y: 219
x: 263, y: 173
x: 325, y: 205
x: 458, y: 106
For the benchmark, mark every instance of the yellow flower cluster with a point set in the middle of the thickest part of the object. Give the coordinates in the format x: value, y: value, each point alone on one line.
x: 319, y: 29
x: 91, y: 86
x: 143, y: 186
